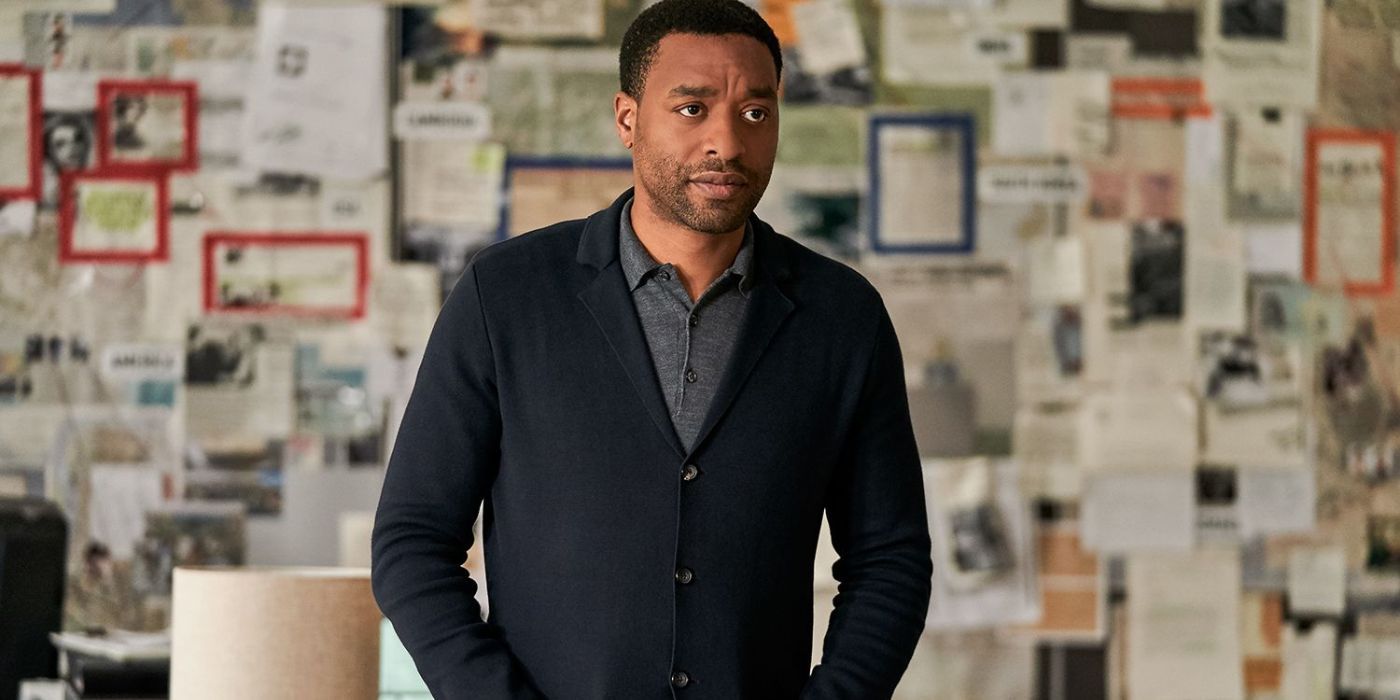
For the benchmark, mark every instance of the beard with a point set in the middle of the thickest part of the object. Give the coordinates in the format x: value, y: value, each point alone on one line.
x: 667, y: 180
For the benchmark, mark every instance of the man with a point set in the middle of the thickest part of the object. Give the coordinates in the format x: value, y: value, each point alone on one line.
x: 655, y: 443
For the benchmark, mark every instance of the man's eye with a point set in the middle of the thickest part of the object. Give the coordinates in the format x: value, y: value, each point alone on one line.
x: 690, y: 110
x: 755, y: 115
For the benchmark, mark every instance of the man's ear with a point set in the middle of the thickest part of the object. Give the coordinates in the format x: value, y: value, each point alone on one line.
x: 625, y: 118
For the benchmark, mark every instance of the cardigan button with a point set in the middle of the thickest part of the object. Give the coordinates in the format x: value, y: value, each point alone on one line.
x: 680, y: 679
x: 685, y: 575
x: 690, y: 472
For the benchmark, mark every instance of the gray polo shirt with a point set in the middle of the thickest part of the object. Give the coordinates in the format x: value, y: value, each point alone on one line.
x: 690, y: 343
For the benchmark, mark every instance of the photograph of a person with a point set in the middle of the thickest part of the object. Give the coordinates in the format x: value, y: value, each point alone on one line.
x: 127, y: 110
x: 648, y: 371
x: 147, y: 125
x: 68, y: 147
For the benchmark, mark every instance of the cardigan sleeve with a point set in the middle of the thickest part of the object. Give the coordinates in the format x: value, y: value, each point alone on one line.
x: 444, y: 462
x: 879, y: 529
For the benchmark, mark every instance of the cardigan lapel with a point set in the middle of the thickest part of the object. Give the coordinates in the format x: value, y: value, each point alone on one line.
x: 610, y: 303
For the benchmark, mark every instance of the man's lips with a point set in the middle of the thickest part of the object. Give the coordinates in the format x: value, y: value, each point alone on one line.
x: 719, y: 185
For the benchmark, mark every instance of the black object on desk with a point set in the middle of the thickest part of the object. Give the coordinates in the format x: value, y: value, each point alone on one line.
x: 95, y: 677
x: 33, y: 551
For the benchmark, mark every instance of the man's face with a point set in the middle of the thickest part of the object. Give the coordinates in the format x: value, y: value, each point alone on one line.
x: 705, y: 132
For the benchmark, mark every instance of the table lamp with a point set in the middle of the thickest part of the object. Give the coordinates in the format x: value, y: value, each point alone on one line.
x: 272, y: 633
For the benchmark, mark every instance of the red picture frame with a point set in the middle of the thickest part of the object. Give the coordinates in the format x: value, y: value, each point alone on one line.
x: 1386, y: 141
x: 34, y: 189
x: 359, y: 242
x: 107, y: 93
x: 67, y: 219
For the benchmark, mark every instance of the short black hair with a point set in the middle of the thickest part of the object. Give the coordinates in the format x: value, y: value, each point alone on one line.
x: 704, y: 17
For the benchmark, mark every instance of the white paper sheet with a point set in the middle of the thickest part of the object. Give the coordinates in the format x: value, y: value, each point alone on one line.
x: 453, y: 183
x: 1215, y: 259
x: 404, y: 303
x: 1046, y: 444
x: 442, y: 121
x: 1266, y: 163
x: 1255, y: 58
x: 829, y: 35
x: 1309, y: 662
x: 1370, y: 665
x: 1317, y: 580
x: 316, y: 99
x: 1274, y: 249
x: 1277, y: 500
x: 929, y: 46
x: 922, y: 185
x: 982, y: 532
x: 1139, y: 511
x: 120, y: 496
x: 1031, y: 184
x: 1055, y: 270
x: 1040, y: 114
x: 539, y: 19
x: 16, y: 129
x: 17, y: 218
x: 1139, y: 430
x: 1349, y: 223
x: 1183, y: 626
x: 135, y: 361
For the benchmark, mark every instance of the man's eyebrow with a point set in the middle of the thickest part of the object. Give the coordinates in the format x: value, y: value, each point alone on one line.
x: 759, y: 93
x: 763, y: 93
x: 692, y: 91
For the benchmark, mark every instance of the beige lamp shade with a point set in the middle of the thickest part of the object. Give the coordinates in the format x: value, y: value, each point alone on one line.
x: 271, y: 633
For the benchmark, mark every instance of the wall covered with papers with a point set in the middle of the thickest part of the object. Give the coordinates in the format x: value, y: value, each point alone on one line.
x: 1140, y: 254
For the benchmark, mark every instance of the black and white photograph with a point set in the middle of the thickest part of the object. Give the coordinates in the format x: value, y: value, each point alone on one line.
x: 148, y: 124
x: 1233, y: 371
x: 222, y: 355
x: 69, y: 146
x: 1241, y: 371
x: 1217, y: 517
x: 979, y: 540
x: 1254, y: 19
x: 854, y: 85
x: 1155, y: 271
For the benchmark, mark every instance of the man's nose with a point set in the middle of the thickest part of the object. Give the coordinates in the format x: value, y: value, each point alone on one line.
x: 724, y: 137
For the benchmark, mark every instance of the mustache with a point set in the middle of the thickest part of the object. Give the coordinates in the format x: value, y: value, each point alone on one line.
x: 716, y: 165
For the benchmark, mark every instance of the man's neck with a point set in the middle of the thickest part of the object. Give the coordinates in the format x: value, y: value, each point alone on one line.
x: 699, y: 258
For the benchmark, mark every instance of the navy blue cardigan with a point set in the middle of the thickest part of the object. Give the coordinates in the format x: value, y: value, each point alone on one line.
x: 537, y: 395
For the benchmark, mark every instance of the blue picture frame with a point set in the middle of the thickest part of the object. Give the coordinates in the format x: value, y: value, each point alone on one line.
x: 514, y: 163
x: 965, y: 125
